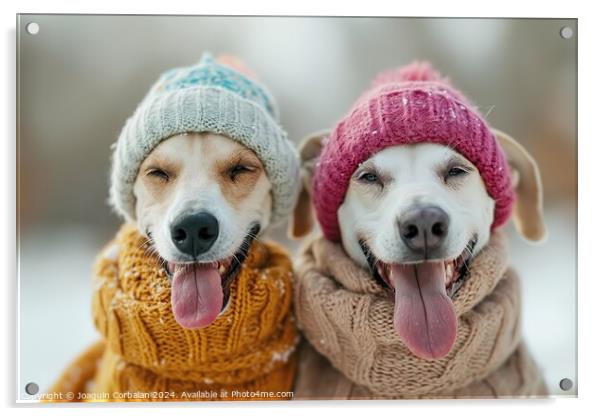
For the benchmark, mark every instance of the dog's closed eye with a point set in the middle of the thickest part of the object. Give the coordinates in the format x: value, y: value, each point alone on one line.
x: 158, y: 173
x: 455, y: 170
x: 239, y: 169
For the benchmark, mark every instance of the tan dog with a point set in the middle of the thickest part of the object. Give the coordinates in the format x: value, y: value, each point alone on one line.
x: 185, y: 299
x: 201, y: 199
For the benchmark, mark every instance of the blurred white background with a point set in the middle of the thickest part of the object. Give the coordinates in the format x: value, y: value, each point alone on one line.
x: 80, y: 77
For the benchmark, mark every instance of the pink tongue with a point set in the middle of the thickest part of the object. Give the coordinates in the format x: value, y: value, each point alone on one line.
x: 196, y: 296
x: 424, y: 315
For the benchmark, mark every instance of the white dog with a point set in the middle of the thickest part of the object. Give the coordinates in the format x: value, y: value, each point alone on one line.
x: 422, y: 211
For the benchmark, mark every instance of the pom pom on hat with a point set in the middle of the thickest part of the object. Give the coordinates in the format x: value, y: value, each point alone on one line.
x: 416, y: 71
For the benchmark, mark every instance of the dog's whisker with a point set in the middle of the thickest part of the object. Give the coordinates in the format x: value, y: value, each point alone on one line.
x: 145, y: 247
x: 252, y: 237
x: 150, y: 250
x: 147, y: 242
x: 464, y: 263
x: 489, y: 110
x: 235, y: 257
x: 143, y: 243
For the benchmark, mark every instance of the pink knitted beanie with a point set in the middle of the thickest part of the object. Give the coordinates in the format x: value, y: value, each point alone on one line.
x: 412, y: 104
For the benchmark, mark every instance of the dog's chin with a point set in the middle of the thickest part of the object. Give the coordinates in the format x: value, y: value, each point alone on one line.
x: 200, y: 291
x: 424, y: 315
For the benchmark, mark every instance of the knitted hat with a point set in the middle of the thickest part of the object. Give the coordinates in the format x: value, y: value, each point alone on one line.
x: 412, y: 104
x: 206, y: 97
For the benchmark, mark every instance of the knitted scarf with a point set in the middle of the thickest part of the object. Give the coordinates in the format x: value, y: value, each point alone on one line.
x: 348, y: 318
x: 246, y: 353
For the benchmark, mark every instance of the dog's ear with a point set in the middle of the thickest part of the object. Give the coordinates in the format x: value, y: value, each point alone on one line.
x: 310, y: 147
x: 526, y: 181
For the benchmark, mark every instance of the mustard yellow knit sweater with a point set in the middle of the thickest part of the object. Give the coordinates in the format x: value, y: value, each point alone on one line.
x: 144, y: 354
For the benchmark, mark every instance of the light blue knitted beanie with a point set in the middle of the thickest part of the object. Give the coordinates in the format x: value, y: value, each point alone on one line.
x: 207, y: 97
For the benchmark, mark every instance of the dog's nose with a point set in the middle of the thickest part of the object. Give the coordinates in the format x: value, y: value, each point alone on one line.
x: 195, y: 234
x: 424, y: 229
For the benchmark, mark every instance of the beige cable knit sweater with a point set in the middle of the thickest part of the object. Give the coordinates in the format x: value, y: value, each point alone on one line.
x: 348, y: 319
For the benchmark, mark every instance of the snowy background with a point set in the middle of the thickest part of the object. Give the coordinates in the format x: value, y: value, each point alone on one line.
x: 82, y: 76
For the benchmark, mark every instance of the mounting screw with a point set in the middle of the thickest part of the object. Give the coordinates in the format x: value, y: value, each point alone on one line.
x: 566, y: 384
x: 32, y: 28
x: 32, y: 388
x: 566, y: 32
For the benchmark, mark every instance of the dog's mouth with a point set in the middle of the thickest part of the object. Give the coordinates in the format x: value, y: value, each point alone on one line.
x: 424, y: 316
x: 200, y: 291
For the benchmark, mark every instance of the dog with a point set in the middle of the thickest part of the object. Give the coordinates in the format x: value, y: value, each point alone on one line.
x: 411, y: 212
x: 407, y: 291
x: 186, y: 296
x: 201, y: 199
x: 422, y: 207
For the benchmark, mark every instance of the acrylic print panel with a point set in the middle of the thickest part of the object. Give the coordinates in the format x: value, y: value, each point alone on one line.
x: 202, y: 161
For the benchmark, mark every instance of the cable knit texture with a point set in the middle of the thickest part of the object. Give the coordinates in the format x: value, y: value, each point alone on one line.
x: 207, y: 97
x: 249, y: 347
x: 348, y: 317
x: 408, y: 105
